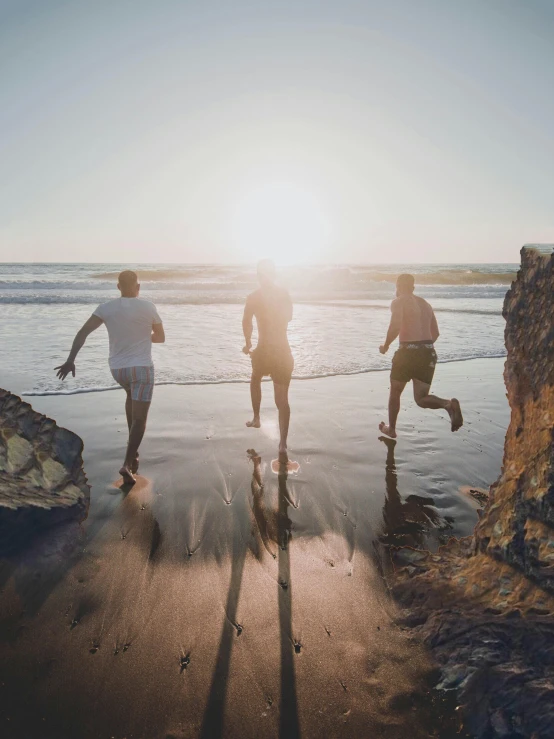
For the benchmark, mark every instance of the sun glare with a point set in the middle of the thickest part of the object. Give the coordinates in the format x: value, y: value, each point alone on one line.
x: 280, y: 221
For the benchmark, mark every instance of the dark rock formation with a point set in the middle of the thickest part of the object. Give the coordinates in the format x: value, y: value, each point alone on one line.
x: 517, y: 524
x: 42, y: 481
x: 485, y: 605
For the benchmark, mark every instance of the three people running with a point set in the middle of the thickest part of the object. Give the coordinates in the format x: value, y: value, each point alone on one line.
x: 133, y: 325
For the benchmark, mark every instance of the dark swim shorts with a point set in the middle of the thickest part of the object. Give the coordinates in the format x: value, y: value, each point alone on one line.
x: 414, y: 362
x: 278, y: 363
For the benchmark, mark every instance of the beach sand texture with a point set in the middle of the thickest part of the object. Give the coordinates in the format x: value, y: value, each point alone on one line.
x: 218, y: 598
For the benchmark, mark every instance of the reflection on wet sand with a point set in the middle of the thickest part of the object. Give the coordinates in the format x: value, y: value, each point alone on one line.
x: 406, y: 522
x: 282, y: 467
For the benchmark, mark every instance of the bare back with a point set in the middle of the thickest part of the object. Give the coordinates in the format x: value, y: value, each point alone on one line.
x: 418, y: 322
x: 272, y: 308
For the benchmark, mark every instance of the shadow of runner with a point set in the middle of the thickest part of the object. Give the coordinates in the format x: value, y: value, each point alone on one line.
x: 212, y: 723
x: 274, y: 527
x: 289, y: 727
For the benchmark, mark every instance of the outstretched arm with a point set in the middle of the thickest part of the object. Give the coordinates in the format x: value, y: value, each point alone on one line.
x: 394, y: 326
x: 247, y: 326
x: 69, y: 365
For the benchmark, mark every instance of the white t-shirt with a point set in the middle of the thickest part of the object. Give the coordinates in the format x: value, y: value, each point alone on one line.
x: 129, y: 322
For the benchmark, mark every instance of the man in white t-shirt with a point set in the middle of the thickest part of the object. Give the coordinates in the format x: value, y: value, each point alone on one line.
x: 133, y: 325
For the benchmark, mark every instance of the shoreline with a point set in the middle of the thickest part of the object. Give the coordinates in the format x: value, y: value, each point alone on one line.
x: 202, y: 383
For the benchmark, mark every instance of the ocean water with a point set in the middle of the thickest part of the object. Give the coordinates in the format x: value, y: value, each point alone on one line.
x: 340, y: 318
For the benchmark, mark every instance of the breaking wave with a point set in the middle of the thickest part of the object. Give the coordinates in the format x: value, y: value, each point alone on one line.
x: 340, y: 276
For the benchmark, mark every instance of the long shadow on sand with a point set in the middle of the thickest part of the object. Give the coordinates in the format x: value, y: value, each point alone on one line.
x: 213, y: 722
x: 289, y: 727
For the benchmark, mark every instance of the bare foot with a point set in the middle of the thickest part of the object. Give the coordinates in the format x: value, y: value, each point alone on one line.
x: 127, y: 475
x: 384, y: 429
x: 134, y: 467
x: 455, y: 413
x: 254, y: 423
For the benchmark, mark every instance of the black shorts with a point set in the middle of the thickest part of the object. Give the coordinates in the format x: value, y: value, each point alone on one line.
x: 414, y: 362
x: 277, y: 363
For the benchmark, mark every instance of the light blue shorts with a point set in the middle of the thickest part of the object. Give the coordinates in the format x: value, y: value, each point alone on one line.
x: 139, y: 381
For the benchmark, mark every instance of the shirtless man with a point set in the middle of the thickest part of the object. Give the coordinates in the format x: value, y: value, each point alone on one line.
x: 414, y: 322
x: 133, y: 326
x: 272, y: 307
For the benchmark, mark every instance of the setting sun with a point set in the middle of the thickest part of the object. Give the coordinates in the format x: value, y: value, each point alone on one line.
x: 282, y: 221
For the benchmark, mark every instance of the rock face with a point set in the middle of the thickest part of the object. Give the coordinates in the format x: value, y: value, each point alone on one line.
x: 485, y: 605
x: 42, y: 481
x: 518, y: 524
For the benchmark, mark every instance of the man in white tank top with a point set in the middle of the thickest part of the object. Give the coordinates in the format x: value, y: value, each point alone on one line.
x: 413, y: 321
x: 133, y: 326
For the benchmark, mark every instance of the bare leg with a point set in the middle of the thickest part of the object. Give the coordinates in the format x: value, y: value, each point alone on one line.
x: 136, y: 432
x: 129, y: 414
x: 282, y: 402
x: 396, y: 390
x: 425, y: 400
x: 129, y: 409
x: 256, y: 395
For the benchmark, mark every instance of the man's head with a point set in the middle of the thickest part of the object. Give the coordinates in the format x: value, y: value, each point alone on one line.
x: 128, y: 284
x: 266, y: 272
x: 405, y: 285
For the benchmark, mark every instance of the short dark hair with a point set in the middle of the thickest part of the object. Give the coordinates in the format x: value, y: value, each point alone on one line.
x: 406, y: 283
x: 127, y: 279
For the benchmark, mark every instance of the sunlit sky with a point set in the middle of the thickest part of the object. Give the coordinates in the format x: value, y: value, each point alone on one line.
x: 310, y: 131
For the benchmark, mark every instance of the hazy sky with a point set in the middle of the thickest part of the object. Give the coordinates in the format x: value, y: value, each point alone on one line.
x: 223, y: 130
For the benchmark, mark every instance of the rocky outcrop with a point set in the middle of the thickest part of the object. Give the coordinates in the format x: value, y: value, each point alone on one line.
x: 517, y: 525
x: 42, y: 481
x: 485, y: 605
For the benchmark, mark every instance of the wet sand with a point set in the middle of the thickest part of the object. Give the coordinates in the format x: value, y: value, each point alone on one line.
x: 219, y: 597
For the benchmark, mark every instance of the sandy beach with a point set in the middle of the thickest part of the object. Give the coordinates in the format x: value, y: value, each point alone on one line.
x: 218, y: 598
